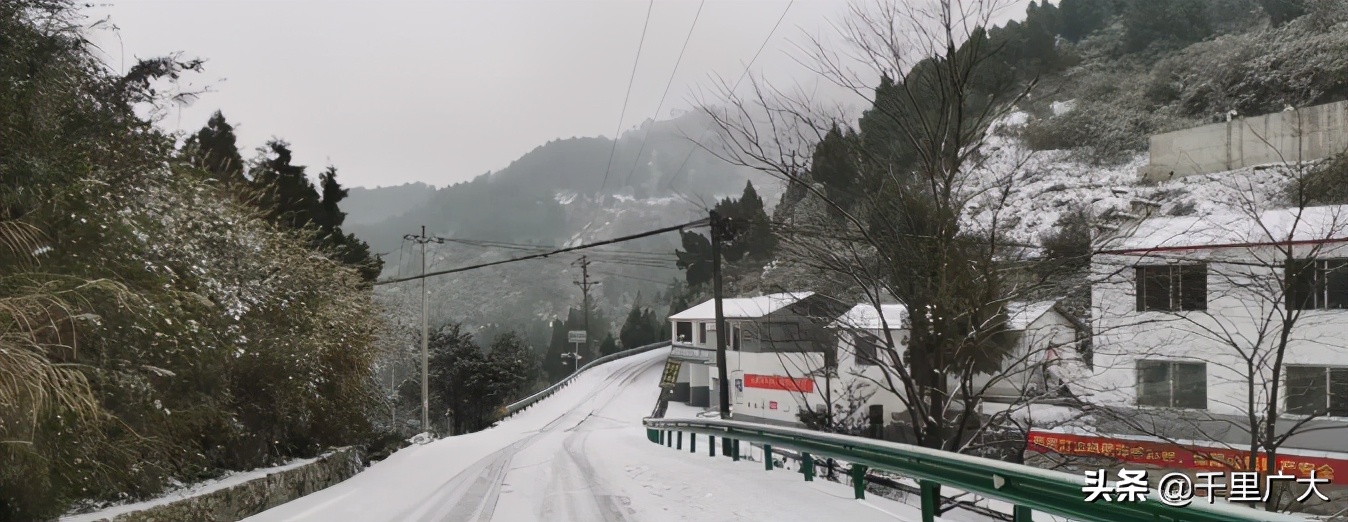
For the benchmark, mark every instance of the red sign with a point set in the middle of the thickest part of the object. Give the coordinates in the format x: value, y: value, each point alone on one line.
x: 1177, y: 456
x: 776, y: 382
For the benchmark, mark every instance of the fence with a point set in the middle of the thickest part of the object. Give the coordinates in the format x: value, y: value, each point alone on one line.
x: 1027, y: 488
x: 523, y: 404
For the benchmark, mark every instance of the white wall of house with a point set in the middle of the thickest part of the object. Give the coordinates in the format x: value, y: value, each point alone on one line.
x: 1049, y: 334
x: 1123, y: 336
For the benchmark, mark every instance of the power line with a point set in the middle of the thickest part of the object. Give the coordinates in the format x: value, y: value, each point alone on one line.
x: 691, y: 224
x: 630, y: 80
x: 668, y: 85
x: 734, y: 88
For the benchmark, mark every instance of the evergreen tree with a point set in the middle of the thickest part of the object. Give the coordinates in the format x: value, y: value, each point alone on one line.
x: 641, y: 328
x: 331, y: 217
x: 287, y: 195
x: 1080, y: 18
x: 695, y: 258
x: 1164, y: 24
x: 215, y: 149
x: 609, y: 346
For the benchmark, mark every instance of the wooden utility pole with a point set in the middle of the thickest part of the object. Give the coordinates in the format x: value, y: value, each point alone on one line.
x: 718, y: 233
x: 425, y: 331
x: 584, y: 285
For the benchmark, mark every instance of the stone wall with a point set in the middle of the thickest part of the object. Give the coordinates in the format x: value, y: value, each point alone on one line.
x: 255, y: 496
x: 1306, y: 134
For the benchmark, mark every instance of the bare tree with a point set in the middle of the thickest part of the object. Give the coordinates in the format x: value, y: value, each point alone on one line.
x: 897, y: 194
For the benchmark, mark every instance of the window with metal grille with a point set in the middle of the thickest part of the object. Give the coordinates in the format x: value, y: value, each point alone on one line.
x: 1171, y: 288
x: 1172, y: 384
x: 1317, y: 390
x: 1317, y: 284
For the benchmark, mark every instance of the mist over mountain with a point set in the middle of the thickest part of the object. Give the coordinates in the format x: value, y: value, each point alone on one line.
x: 555, y: 195
x: 534, y: 199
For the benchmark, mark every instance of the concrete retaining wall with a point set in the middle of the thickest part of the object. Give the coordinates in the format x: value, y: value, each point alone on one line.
x: 1306, y: 134
x: 255, y: 496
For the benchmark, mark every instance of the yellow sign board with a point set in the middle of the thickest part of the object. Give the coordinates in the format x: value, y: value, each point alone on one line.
x: 671, y: 373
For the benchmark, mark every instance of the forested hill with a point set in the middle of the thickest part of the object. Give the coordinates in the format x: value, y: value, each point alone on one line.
x: 527, y: 202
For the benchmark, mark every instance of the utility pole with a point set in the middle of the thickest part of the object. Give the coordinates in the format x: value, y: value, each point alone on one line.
x: 584, y: 285
x: 425, y: 332
x: 718, y: 232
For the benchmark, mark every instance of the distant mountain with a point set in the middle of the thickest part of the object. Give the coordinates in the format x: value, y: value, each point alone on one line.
x: 365, y: 206
x: 557, y: 194
x: 524, y: 202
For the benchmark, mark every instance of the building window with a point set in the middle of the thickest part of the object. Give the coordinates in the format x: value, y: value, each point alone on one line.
x: 1170, y: 288
x: 1317, y: 284
x: 701, y: 333
x: 683, y: 331
x: 780, y: 331
x: 1317, y: 390
x: 1171, y: 384
x: 867, y: 348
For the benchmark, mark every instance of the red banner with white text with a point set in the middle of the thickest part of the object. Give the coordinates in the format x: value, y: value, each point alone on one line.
x: 777, y: 382
x: 1176, y: 456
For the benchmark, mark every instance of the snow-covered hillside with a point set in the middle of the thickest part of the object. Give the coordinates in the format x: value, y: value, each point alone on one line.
x: 1044, y: 185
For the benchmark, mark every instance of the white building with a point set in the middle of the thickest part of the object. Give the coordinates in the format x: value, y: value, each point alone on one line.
x: 1189, y: 313
x: 771, y: 336
x: 781, y: 345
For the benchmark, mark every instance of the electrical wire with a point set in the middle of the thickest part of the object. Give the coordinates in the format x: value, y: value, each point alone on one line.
x: 734, y: 88
x: 668, y: 85
x: 630, y: 80
x: 691, y: 224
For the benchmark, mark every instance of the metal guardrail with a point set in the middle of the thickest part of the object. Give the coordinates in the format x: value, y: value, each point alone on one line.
x: 523, y: 404
x: 1027, y: 488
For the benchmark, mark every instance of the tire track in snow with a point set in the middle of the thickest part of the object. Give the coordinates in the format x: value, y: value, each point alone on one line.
x: 472, y: 494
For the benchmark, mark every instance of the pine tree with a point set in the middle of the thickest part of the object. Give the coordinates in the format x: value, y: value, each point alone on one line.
x: 695, y: 258
x: 215, y: 149
x: 609, y: 346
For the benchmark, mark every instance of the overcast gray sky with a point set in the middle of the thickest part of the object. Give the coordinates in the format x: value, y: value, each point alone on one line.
x: 441, y: 91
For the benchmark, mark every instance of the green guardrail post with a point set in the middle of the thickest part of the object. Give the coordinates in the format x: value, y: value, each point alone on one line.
x: 678, y: 442
x: 725, y: 446
x: 859, y: 481
x: 1022, y: 514
x: 692, y: 442
x: 928, y: 500
x: 807, y: 466
x: 735, y: 450
x: 653, y: 435
x: 767, y: 457
x: 669, y: 438
x: 711, y: 445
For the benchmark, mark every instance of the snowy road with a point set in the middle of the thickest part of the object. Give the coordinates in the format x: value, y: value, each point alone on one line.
x: 582, y: 455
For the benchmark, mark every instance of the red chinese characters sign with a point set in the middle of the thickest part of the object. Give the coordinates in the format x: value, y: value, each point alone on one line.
x: 1175, y: 456
x: 777, y: 382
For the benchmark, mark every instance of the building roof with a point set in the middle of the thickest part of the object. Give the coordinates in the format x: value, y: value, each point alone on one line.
x: 1021, y: 314
x: 866, y: 317
x: 1235, y: 229
x: 741, y: 307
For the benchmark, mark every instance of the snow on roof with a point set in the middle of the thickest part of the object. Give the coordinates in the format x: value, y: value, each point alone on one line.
x: 1236, y: 228
x: 741, y: 307
x: 1020, y: 314
x: 865, y: 316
